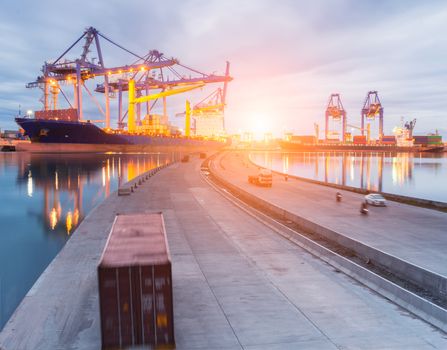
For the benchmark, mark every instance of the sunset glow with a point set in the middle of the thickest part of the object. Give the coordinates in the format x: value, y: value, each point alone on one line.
x: 286, y: 58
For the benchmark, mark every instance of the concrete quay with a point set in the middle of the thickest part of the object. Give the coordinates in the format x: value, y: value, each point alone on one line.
x: 413, y: 234
x: 237, y: 283
x: 287, y: 201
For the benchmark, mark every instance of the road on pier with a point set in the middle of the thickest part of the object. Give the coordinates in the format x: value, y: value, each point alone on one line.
x: 414, y: 234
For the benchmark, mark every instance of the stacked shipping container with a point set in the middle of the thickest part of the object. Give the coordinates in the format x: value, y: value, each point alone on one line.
x: 70, y: 114
x: 428, y: 140
x: 135, y: 284
x: 388, y: 140
x: 305, y: 139
x: 359, y: 140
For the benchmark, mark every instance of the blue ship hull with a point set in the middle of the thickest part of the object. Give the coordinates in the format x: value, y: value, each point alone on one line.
x: 70, y: 136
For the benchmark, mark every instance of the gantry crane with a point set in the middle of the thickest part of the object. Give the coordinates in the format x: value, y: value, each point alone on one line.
x: 77, y: 71
x: 336, y: 111
x: 167, y: 79
x: 212, y: 105
x: 133, y: 100
x: 372, y: 108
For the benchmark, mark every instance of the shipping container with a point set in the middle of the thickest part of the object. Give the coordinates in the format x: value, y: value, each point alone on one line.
x: 332, y: 141
x: 427, y: 139
x: 304, y: 139
x: 359, y: 140
x: 434, y: 139
x: 135, y: 284
x: 389, y: 140
x: 69, y: 114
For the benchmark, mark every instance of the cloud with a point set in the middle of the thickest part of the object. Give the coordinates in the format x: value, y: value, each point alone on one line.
x: 286, y: 57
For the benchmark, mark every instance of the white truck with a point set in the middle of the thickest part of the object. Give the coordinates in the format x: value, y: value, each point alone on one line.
x: 264, y: 178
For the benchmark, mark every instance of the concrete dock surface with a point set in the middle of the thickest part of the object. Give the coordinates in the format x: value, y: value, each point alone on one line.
x: 414, y: 234
x: 237, y: 284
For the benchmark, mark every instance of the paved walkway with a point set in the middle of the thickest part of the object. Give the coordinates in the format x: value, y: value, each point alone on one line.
x: 237, y: 284
x: 415, y: 234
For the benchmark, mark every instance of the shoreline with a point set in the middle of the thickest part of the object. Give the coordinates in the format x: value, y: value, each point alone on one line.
x: 416, y: 201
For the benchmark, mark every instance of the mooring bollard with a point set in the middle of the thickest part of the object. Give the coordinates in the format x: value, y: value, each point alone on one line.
x: 124, y: 191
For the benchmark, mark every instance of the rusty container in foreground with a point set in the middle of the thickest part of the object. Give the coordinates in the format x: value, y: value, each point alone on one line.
x: 135, y: 284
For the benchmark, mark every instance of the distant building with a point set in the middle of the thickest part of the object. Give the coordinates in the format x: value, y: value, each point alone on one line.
x: 10, y: 134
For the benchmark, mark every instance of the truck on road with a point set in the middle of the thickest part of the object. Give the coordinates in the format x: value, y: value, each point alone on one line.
x: 263, y: 178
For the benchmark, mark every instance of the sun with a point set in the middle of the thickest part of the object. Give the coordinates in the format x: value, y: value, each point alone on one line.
x: 260, y: 124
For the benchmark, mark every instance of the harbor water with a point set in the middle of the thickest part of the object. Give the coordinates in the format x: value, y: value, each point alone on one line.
x: 420, y: 175
x: 44, y: 197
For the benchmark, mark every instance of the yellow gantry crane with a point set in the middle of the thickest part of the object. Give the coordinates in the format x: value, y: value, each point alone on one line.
x: 131, y: 126
x: 212, y: 104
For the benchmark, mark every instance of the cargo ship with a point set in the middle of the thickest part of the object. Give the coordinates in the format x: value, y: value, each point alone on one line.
x: 401, y: 141
x: 348, y: 147
x: 50, y: 135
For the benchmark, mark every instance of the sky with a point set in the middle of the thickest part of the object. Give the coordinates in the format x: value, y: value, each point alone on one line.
x: 286, y: 57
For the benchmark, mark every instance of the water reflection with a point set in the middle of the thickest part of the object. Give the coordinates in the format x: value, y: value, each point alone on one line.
x: 419, y: 175
x: 62, y: 180
x: 44, y: 198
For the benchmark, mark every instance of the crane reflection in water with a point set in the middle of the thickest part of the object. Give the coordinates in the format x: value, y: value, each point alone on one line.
x: 62, y: 179
x: 417, y: 175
